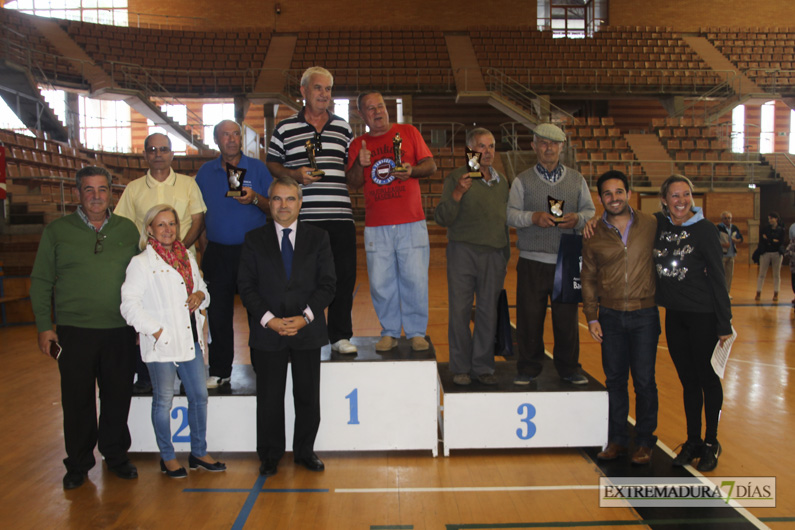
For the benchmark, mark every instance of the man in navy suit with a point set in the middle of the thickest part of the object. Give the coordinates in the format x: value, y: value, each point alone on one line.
x: 286, y: 280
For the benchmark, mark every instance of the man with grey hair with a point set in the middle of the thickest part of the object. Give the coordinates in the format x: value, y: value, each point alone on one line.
x: 473, y: 209
x: 546, y: 201
x: 226, y: 223
x: 162, y: 185
x: 317, y: 132
x: 730, y: 237
x: 79, y: 269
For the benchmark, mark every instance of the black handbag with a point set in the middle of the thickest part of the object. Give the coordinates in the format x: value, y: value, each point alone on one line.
x: 503, y: 340
x: 567, y: 288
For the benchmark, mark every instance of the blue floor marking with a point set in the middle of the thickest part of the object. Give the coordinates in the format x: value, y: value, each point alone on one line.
x: 253, y: 493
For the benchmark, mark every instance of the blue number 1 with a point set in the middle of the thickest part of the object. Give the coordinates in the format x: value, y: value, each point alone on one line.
x: 182, y: 426
x: 528, y: 411
x: 354, y: 406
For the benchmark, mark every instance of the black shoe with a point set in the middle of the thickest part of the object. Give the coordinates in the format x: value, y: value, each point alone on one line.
x: 126, y: 470
x: 311, y: 462
x: 690, y: 451
x: 195, y: 463
x: 141, y: 388
x: 268, y: 467
x: 73, y: 479
x: 709, y: 458
x: 177, y: 473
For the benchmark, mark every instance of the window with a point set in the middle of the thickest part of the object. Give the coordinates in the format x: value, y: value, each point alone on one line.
x: 105, y: 125
x: 111, y: 12
x: 10, y: 121
x: 738, y: 129
x: 574, y: 19
x: 56, y: 99
x: 342, y: 108
x: 212, y: 113
x: 178, y: 113
x: 766, y: 137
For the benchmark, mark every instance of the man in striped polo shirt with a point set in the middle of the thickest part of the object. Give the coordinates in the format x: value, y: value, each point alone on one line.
x: 326, y: 203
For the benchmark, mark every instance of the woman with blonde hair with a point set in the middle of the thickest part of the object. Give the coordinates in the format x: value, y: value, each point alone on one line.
x: 163, y: 297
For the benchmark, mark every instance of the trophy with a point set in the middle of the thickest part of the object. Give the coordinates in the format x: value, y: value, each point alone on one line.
x: 396, y: 144
x: 473, y: 163
x: 310, y: 154
x: 555, y: 208
x: 234, y: 176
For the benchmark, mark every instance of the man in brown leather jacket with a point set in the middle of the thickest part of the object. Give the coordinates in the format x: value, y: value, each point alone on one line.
x: 618, y: 302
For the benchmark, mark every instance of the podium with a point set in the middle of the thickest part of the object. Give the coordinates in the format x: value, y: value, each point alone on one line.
x: 549, y: 412
x: 368, y: 401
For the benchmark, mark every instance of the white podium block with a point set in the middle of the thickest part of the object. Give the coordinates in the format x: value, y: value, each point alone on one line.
x: 370, y: 401
x: 549, y: 413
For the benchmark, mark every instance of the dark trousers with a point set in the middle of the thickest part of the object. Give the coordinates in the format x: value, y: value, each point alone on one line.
x: 342, y: 236
x: 691, y: 340
x: 91, y: 358
x: 629, y: 344
x: 534, y: 283
x: 271, y: 370
x: 220, y: 264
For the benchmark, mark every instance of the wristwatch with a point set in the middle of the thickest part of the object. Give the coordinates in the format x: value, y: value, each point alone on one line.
x: 306, y: 317
x: 255, y: 202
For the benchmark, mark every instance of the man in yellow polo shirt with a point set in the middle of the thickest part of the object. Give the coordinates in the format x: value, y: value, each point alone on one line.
x: 161, y: 185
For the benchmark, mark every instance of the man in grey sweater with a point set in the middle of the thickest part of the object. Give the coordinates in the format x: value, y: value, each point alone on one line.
x: 473, y: 210
x: 536, y: 196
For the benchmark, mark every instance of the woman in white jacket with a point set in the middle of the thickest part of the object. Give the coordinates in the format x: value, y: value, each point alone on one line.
x: 162, y: 298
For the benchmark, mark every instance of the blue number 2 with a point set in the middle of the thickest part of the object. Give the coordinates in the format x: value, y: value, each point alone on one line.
x: 178, y: 437
x: 528, y: 411
x: 354, y: 406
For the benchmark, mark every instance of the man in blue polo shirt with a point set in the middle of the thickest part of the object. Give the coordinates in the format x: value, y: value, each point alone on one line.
x: 227, y: 220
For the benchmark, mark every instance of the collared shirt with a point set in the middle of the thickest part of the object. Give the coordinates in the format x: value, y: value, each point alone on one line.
x: 177, y: 190
x: 495, y: 177
x: 85, y: 219
x: 625, y: 235
x: 551, y: 176
x: 291, y: 236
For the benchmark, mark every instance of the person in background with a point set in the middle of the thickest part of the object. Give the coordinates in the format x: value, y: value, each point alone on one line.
x: 771, y: 241
x: 691, y: 287
x: 730, y: 237
x: 163, y: 297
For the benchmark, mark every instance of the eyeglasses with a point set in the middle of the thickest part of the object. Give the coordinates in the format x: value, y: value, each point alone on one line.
x: 154, y: 149
x: 99, y: 245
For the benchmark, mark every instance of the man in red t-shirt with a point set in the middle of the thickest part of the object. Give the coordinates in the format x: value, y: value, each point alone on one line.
x: 395, y: 234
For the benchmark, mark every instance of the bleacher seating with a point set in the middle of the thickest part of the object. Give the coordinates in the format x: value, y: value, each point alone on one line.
x: 631, y: 59
x: 414, y: 60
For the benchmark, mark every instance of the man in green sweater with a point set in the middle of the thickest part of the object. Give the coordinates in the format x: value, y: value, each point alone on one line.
x: 473, y: 208
x: 80, y: 264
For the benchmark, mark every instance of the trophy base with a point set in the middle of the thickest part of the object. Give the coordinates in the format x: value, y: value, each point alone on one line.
x: 318, y: 173
x: 401, y: 170
x: 475, y: 175
x: 557, y: 221
x: 234, y: 193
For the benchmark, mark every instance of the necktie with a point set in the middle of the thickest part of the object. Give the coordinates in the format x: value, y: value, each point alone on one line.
x: 287, y: 251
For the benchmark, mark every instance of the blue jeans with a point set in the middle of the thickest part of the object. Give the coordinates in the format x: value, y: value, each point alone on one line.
x: 193, y: 378
x: 397, y: 264
x: 629, y: 343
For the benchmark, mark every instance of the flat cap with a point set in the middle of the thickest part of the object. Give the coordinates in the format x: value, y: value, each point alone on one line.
x: 550, y: 132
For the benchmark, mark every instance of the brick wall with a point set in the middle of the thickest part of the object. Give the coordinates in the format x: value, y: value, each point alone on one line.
x: 689, y: 15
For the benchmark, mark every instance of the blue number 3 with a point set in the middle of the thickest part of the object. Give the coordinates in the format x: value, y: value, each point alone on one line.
x: 528, y: 411
x: 178, y: 436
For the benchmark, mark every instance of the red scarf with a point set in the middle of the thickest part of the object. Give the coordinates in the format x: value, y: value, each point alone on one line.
x: 177, y: 257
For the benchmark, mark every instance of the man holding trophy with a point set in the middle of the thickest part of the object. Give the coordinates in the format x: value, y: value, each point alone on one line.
x: 235, y: 189
x: 473, y: 208
x: 388, y: 161
x: 312, y: 148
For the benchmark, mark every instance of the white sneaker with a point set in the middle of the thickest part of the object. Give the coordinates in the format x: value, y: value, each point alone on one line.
x: 344, y: 346
x: 214, y: 381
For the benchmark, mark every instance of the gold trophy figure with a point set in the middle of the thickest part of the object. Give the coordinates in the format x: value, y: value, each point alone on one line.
x: 556, y: 208
x: 397, y: 143
x: 310, y: 154
x: 473, y: 163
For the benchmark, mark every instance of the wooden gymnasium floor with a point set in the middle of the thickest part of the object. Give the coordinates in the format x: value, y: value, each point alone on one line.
x: 409, y: 490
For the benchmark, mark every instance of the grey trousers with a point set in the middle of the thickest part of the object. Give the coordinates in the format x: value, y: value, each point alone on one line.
x: 473, y: 275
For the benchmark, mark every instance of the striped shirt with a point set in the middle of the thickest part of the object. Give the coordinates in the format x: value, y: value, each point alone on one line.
x: 326, y: 199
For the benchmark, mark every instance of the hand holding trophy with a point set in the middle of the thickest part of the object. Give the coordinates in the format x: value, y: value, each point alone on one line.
x: 473, y: 163
x: 234, y: 176
x: 310, y: 154
x: 399, y: 171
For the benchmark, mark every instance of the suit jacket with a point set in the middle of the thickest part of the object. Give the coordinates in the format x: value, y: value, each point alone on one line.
x: 263, y: 285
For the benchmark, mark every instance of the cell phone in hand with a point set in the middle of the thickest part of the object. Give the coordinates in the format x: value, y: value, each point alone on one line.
x: 55, y: 350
